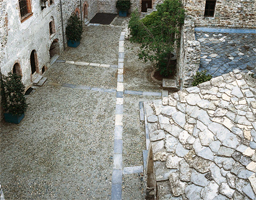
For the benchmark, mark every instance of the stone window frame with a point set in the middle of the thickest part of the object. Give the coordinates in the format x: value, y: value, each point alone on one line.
x: 29, y: 12
x: 208, y: 11
x: 52, y: 29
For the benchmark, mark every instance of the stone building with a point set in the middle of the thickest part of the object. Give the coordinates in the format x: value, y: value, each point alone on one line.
x: 33, y: 32
x: 219, y: 14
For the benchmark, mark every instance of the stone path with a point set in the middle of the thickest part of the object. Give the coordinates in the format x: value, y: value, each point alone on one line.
x: 223, y: 52
x: 70, y: 144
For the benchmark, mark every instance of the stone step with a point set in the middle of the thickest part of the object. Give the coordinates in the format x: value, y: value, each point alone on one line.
x: 36, y: 78
x: 86, y: 22
x: 54, y: 58
x: 42, y: 81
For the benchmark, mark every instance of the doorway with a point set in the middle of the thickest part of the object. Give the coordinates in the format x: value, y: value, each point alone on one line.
x: 145, y: 4
x: 33, y: 62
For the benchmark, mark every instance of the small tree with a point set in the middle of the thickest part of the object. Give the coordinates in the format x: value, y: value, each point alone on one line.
x: 123, y: 5
x: 158, y: 33
x: 13, y: 99
x: 74, y: 28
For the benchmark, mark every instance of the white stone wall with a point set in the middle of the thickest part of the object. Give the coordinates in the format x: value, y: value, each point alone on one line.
x: 3, y: 39
x: 235, y: 13
x: 31, y: 34
x: 188, y: 60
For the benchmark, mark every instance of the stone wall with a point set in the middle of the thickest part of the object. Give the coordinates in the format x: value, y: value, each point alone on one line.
x: 31, y: 34
x: 188, y: 60
x: 107, y: 6
x: 235, y: 13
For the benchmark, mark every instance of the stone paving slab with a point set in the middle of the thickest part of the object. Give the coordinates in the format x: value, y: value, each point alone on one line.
x: 223, y: 52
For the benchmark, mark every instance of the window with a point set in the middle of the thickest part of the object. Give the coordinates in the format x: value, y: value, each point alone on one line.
x: 16, y: 69
x: 52, y: 26
x: 25, y: 8
x: 209, y: 8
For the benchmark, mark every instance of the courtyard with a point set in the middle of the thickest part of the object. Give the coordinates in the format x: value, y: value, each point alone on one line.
x: 63, y: 148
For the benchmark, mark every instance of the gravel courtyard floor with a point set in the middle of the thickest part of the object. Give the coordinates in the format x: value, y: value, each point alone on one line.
x: 63, y: 148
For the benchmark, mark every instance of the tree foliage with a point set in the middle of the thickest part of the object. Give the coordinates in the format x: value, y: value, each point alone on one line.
x: 158, y: 34
x: 201, y: 77
x: 12, y: 92
x: 74, y: 28
x: 123, y: 5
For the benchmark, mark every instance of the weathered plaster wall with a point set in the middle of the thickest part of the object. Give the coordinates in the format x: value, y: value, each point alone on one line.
x: 3, y: 39
x: 31, y: 34
x: 188, y: 60
x: 92, y: 8
x: 235, y: 13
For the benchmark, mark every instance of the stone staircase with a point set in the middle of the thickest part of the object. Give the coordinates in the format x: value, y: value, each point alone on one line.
x: 39, y: 80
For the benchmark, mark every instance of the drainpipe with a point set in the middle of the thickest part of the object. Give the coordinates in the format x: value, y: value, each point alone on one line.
x: 62, y: 26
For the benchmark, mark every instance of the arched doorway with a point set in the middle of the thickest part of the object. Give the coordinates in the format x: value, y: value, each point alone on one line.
x: 54, y: 48
x: 34, y: 62
x: 85, y: 10
x: 145, y: 4
x: 16, y: 69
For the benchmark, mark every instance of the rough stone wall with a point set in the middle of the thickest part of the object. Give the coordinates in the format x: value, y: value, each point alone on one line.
x: 235, y: 13
x: 107, y: 6
x: 188, y: 60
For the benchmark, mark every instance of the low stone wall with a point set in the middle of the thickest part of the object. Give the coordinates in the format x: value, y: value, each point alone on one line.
x: 235, y: 13
x: 188, y: 60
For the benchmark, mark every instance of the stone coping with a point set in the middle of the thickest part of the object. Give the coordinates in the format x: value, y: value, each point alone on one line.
x: 224, y: 30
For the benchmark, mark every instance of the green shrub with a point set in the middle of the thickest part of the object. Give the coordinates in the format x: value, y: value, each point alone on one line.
x: 123, y: 5
x: 13, y: 99
x: 150, y: 19
x: 201, y: 77
x: 74, y: 28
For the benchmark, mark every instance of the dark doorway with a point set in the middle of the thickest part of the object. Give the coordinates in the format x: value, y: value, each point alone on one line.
x: 33, y: 62
x: 145, y: 4
x: 55, y: 48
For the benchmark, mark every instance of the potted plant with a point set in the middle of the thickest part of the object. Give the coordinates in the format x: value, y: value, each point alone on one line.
x: 13, y: 98
x: 123, y: 6
x: 74, y: 31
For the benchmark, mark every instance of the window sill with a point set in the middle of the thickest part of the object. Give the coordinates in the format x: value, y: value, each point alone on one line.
x: 27, y: 16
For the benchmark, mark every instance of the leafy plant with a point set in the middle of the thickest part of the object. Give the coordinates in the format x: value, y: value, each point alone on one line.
x: 74, y: 28
x: 123, y: 5
x: 158, y: 34
x: 13, y: 98
x: 201, y: 77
